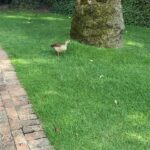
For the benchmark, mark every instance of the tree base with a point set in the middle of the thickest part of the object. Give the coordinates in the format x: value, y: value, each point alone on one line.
x: 98, y: 23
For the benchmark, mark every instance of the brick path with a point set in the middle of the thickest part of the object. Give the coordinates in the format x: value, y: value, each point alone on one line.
x: 19, y: 127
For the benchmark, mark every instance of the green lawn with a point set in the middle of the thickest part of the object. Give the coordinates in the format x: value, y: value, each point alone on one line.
x: 74, y: 95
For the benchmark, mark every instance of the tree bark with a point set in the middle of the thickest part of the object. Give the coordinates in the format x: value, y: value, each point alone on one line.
x: 98, y: 22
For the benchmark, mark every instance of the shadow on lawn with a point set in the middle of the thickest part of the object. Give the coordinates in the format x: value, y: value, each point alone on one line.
x: 43, y: 24
x: 37, y: 33
x: 61, y: 25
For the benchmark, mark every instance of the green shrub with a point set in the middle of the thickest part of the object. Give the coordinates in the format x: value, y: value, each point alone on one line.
x: 23, y: 4
x: 137, y: 12
x: 63, y: 6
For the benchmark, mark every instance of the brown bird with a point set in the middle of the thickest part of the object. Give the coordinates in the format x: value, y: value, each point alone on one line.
x: 60, y: 48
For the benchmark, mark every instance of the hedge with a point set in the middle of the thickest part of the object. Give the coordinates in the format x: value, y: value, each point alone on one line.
x: 136, y: 12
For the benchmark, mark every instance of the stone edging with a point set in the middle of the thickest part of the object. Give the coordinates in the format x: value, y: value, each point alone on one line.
x: 19, y: 127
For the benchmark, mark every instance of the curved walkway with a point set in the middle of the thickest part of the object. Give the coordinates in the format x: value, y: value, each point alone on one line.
x: 19, y: 127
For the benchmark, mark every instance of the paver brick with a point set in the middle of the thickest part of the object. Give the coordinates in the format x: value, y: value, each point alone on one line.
x: 4, y: 128
x: 2, y: 86
x: 26, y: 106
x: 9, y: 75
x: 9, y: 146
x: 13, y: 82
x: 25, y: 112
x: 20, y: 139
x: 7, y: 142
x: 3, y: 54
x: 40, y: 143
x: 1, y: 76
x: 1, y: 108
x: 11, y: 112
x: 44, y: 148
x: 20, y: 100
x: 28, y: 117
x: 7, y: 138
x: 34, y: 135
x: 30, y: 129
x: 22, y: 146
x: 30, y: 122
x: 16, y: 90
x: 3, y: 117
x: 5, y: 95
x: 8, y: 103
x: 15, y: 124
x: 17, y: 132
x: 1, y: 104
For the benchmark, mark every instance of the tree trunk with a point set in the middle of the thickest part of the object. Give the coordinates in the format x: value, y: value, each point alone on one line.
x: 98, y: 22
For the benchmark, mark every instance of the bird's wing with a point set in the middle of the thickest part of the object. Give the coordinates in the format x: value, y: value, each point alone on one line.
x: 56, y: 45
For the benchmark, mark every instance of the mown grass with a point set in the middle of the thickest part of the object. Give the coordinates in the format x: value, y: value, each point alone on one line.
x: 75, y: 95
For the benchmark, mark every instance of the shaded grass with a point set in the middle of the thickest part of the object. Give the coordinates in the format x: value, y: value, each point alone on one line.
x: 74, y: 95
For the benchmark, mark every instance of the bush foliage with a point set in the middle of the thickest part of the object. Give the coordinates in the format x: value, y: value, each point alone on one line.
x: 64, y: 6
x: 136, y: 12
